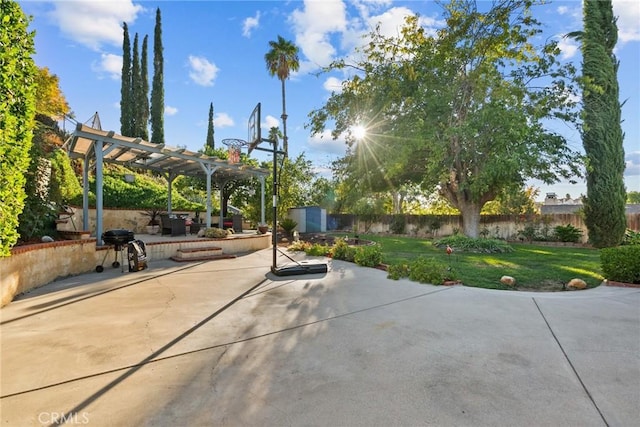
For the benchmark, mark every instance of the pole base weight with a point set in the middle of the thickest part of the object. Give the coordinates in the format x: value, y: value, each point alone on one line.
x: 298, y: 269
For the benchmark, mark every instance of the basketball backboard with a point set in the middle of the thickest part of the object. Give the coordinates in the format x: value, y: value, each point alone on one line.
x: 254, y: 136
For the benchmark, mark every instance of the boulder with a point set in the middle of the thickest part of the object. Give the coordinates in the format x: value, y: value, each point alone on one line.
x: 577, y: 284
x: 508, y: 280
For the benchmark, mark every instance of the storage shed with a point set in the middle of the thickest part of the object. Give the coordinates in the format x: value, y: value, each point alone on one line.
x: 310, y: 219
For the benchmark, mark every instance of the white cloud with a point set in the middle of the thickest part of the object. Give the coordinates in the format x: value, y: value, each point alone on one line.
x: 270, y: 122
x: 223, y: 120
x: 313, y: 25
x: 632, y: 164
x: 110, y: 64
x: 332, y: 84
x: 249, y: 24
x: 324, y: 30
x: 628, y: 13
x: 562, y: 10
x: 391, y: 21
x: 325, y: 143
x: 568, y: 46
x: 94, y: 23
x: 170, y: 111
x: 202, y: 71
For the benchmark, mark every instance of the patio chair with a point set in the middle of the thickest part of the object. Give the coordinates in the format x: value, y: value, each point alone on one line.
x: 173, y: 226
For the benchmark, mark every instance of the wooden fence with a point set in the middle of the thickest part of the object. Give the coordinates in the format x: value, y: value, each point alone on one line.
x: 498, y: 226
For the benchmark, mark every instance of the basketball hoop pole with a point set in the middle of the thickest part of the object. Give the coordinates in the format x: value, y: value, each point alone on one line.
x: 274, y: 231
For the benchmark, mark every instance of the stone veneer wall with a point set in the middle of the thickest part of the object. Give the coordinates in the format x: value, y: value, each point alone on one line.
x: 129, y: 219
x: 32, y: 266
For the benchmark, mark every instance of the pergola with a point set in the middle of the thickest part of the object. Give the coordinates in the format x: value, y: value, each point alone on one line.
x: 97, y: 147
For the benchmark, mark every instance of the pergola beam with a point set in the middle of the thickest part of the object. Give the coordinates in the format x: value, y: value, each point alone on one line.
x: 108, y: 147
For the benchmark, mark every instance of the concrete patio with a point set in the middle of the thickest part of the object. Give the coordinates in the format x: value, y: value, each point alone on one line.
x: 227, y: 343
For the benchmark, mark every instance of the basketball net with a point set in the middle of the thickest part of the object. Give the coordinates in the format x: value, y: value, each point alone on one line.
x: 234, y: 155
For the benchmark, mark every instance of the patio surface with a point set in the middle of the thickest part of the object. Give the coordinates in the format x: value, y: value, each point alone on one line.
x: 226, y: 343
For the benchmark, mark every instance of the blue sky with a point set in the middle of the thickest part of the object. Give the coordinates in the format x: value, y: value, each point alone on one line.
x: 214, y: 52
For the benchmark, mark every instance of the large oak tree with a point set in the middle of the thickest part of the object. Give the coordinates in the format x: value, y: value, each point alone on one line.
x: 465, y: 109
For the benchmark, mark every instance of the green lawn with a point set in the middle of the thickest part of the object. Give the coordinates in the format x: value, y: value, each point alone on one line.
x: 534, y: 267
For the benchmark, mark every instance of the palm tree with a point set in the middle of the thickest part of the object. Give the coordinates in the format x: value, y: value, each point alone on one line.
x: 281, y: 60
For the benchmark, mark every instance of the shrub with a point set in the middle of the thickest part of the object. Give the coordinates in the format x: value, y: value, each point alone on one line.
x: 368, y: 256
x: 529, y: 232
x: 317, y: 250
x: 342, y: 251
x: 288, y: 225
x: 398, y: 224
x: 64, y: 185
x: 398, y: 271
x: 631, y: 237
x: 468, y: 244
x: 568, y: 233
x: 430, y: 270
x: 299, y: 246
x: 216, y: 233
x: 621, y: 263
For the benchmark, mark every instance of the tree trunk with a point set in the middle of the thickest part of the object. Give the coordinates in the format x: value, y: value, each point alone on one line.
x: 470, y: 218
x: 285, y: 138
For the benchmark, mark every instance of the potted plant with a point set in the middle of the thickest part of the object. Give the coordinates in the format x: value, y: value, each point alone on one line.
x: 153, y: 226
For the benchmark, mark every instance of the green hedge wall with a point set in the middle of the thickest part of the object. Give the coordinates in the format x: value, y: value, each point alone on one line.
x: 17, y: 112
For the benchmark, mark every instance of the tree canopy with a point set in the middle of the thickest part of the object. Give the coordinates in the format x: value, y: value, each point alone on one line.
x: 50, y: 100
x: 126, y: 90
x: 602, y: 136
x: 157, y: 87
x: 464, y: 110
x: 281, y: 60
x: 210, y: 142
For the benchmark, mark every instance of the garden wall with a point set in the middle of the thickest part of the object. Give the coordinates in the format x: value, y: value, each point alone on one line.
x: 129, y: 219
x: 497, y: 226
x: 31, y: 266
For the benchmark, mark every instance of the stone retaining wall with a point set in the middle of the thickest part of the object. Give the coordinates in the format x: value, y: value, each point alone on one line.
x: 31, y: 266
x: 129, y: 219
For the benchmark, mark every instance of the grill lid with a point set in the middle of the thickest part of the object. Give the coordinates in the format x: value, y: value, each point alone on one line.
x: 117, y: 236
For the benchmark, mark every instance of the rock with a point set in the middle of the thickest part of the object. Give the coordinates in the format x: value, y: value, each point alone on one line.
x: 577, y: 284
x: 201, y: 232
x: 508, y: 280
x: 47, y: 239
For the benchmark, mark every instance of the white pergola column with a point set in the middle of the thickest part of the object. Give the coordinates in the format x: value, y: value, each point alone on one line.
x: 209, y: 171
x: 170, y: 178
x: 85, y: 193
x: 262, y: 211
x: 99, y: 164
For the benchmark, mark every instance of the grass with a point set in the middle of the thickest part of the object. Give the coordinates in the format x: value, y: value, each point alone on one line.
x: 542, y: 268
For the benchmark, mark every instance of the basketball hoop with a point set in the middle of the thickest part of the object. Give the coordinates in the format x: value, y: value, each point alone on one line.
x: 235, y: 145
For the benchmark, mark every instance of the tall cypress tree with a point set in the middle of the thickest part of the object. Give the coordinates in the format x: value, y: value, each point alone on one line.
x: 136, y: 89
x: 157, y: 90
x: 210, y: 141
x: 125, y: 88
x: 602, y: 135
x: 143, y: 102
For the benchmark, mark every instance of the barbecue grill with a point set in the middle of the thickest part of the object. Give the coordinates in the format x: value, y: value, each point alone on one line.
x: 117, y: 238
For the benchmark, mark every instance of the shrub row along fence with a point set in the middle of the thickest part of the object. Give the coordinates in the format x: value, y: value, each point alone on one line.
x: 508, y: 227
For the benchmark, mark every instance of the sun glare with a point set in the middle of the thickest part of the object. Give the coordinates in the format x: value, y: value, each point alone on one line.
x: 359, y: 132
